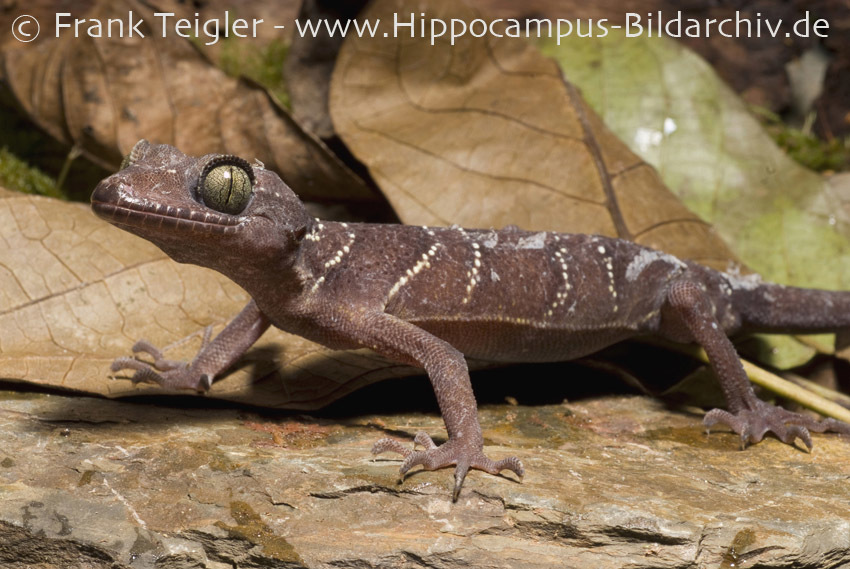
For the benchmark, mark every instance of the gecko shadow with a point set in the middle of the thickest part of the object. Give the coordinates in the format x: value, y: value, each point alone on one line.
x: 625, y: 368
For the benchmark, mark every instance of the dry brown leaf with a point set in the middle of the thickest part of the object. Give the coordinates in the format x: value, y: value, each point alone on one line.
x: 487, y: 133
x: 103, y: 95
x: 76, y: 292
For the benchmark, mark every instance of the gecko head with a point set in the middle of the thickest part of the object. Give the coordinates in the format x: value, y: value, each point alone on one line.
x: 217, y: 210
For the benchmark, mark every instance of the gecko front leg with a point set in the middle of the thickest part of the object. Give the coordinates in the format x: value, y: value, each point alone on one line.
x: 212, y: 359
x: 447, y: 370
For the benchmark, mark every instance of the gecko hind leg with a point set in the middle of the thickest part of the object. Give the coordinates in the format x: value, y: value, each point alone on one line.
x: 688, y: 316
x: 448, y: 454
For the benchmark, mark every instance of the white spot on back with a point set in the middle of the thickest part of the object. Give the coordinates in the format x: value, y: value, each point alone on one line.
x: 645, y: 258
x: 744, y: 282
x: 536, y: 241
x: 315, y: 233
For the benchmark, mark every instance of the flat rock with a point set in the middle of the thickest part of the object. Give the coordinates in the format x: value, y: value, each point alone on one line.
x: 617, y: 481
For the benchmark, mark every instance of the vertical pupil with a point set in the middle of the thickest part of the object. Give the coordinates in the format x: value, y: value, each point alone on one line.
x: 228, y: 176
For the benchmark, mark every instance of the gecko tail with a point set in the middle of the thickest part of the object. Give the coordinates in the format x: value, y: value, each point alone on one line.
x: 773, y: 308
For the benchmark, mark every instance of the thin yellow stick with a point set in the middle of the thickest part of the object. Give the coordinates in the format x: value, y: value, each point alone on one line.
x: 789, y: 390
x: 836, y: 396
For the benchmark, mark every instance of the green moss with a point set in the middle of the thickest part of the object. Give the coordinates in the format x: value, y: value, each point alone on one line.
x: 265, y: 65
x: 806, y: 148
x: 248, y: 57
x: 814, y: 153
x: 15, y: 174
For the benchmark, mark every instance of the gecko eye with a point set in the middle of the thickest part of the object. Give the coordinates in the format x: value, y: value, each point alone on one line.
x: 226, y: 184
x: 134, y: 154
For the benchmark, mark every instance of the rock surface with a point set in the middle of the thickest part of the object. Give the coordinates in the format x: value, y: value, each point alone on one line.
x: 611, y: 482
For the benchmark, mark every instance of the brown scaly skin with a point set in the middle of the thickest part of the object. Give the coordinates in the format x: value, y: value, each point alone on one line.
x: 428, y: 296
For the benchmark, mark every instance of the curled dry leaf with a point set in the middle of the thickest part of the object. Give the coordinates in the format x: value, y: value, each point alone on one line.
x: 76, y: 292
x: 488, y: 133
x: 104, y: 94
x: 789, y: 223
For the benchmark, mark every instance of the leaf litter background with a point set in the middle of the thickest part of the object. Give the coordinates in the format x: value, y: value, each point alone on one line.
x: 484, y: 134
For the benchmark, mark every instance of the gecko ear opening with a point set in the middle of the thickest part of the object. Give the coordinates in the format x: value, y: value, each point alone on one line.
x: 226, y: 184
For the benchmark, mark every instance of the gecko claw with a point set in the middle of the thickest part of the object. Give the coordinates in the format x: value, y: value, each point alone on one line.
x: 450, y: 453
x: 461, y: 470
x: 205, y: 383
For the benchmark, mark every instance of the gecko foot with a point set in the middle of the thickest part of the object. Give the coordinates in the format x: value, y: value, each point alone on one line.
x: 752, y: 424
x: 170, y: 374
x: 463, y: 457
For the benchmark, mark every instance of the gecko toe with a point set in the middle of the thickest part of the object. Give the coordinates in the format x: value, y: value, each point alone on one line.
x: 146, y: 347
x: 799, y: 432
x: 390, y: 445
x: 828, y: 425
x: 123, y: 363
x: 146, y: 375
x: 721, y: 417
x: 511, y: 463
x: 424, y: 439
x: 419, y: 457
x: 142, y: 371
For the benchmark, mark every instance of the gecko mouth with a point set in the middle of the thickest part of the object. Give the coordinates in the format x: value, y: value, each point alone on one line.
x: 111, y: 201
